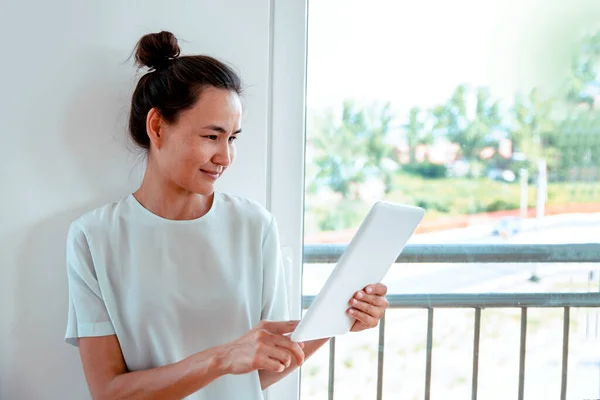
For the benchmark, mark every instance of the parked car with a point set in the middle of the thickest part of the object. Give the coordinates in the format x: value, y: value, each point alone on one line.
x: 508, y: 226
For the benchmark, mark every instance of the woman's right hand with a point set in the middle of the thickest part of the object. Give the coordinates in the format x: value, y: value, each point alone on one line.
x: 263, y: 348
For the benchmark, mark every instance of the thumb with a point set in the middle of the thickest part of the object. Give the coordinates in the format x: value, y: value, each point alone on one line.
x: 282, y: 327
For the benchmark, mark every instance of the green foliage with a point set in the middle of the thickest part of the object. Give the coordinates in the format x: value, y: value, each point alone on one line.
x: 426, y: 170
x: 351, y: 148
x: 432, y: 204
x: 472, y: 127
x: 584, y: 79
x: 340, y: 158
x: 415, y: 133
x: 579, y: 143
x: 502, y: 204
x: 447, y: 197
x: 535, y: 130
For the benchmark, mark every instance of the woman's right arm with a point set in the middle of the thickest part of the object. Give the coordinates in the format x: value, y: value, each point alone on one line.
x: 263, y: 348
x: 108, y: 378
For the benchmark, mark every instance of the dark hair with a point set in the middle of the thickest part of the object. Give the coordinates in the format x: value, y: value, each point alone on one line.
x: 173, y: 83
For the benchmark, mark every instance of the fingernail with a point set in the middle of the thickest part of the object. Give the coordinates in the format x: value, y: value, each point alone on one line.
x: 369, y: 289
x: 360, y: 295
x: 351, y: 311
x: 354, y: 301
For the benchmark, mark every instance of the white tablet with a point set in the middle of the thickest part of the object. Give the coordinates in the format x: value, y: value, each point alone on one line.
x: 372, y: 251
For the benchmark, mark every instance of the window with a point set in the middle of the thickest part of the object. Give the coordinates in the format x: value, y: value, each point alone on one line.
x: 486, y: 114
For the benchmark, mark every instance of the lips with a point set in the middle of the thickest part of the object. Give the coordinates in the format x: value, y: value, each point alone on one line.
x: 211, y: 174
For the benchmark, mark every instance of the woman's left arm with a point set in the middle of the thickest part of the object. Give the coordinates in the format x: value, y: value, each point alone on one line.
x: 366, y: 307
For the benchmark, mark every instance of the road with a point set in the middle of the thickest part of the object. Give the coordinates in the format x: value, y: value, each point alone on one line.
x: 448, y: 278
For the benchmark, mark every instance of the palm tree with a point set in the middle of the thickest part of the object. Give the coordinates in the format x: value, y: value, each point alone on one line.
x: 353, y: 147
x: 414, y: 131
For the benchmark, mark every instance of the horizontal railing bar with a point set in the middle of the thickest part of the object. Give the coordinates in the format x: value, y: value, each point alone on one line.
x: 472, y: 253
x: 487, y: 300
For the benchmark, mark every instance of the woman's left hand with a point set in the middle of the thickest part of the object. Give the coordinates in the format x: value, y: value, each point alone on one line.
x: 368, y: 306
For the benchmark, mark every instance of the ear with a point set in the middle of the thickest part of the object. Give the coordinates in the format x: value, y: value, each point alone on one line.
x: 154, y: 125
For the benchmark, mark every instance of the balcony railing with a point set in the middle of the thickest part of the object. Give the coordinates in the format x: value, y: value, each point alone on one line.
x: 571, y: 253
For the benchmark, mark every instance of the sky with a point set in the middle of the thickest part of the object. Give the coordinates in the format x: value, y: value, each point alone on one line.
x: 416, y: 52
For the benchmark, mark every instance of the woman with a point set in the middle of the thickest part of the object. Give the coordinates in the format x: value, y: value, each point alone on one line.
x: 177, y: 290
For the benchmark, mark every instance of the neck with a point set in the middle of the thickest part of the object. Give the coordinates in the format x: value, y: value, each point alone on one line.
x: 168, y: 200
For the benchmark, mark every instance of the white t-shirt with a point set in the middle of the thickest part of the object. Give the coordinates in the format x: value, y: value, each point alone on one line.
x: 169, y: 289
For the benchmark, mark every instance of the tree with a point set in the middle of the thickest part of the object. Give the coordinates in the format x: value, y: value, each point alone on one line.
x: 469, y: 118
x: 415, y: 133
x: 339, y: 146
x: 584, y: 80
x: 535, y: 130
x: 352, y: 148
x: 579, y: 139
x: 486, y: 120
x: 377, y: 148
x: 346, y: 149
x: 450, y: 117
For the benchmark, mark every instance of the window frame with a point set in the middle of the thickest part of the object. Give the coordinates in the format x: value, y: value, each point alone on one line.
x: 286, y: 139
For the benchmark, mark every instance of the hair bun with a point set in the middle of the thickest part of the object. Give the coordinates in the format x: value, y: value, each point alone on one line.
x: 157, y: 50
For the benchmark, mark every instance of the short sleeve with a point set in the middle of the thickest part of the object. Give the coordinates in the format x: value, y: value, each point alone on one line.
x: 87, y: 312
x: 275, y: 299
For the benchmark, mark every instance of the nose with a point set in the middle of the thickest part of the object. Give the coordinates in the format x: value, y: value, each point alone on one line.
x: 223, y: 156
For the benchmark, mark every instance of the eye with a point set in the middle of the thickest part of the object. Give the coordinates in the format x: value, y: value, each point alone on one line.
x: 211, y: 137
x: 232, y: 139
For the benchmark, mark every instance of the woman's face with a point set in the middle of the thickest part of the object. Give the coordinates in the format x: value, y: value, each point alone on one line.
x: 194, y: 151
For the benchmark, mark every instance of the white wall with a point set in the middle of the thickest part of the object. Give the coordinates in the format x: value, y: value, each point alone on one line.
x: 65, y: 83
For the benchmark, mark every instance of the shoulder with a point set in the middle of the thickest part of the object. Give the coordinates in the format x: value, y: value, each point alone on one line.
x: 85, y: 233
x: 245, y: 210
x: 96, y: 220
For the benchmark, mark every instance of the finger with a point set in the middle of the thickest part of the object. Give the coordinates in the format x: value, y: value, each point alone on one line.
x: 377, y: 289
x: 294, y: 348
x: 363, y: 317
x: 278, y: 327
x: 376, y: 300
x: 279, y: 354
x: 270, y: 364
x: 367, y: 308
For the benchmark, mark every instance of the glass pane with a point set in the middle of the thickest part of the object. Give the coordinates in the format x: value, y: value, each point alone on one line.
x: 487, y: 115
x: 483, y: 113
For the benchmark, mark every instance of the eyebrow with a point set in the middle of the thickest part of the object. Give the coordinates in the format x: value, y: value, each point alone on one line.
x: 220, y: 129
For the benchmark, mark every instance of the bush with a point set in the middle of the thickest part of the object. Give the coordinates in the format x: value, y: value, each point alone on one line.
x: 444, y: 197
x: 432, y: 204
x: 426, y: 170
x: 500, y: 205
